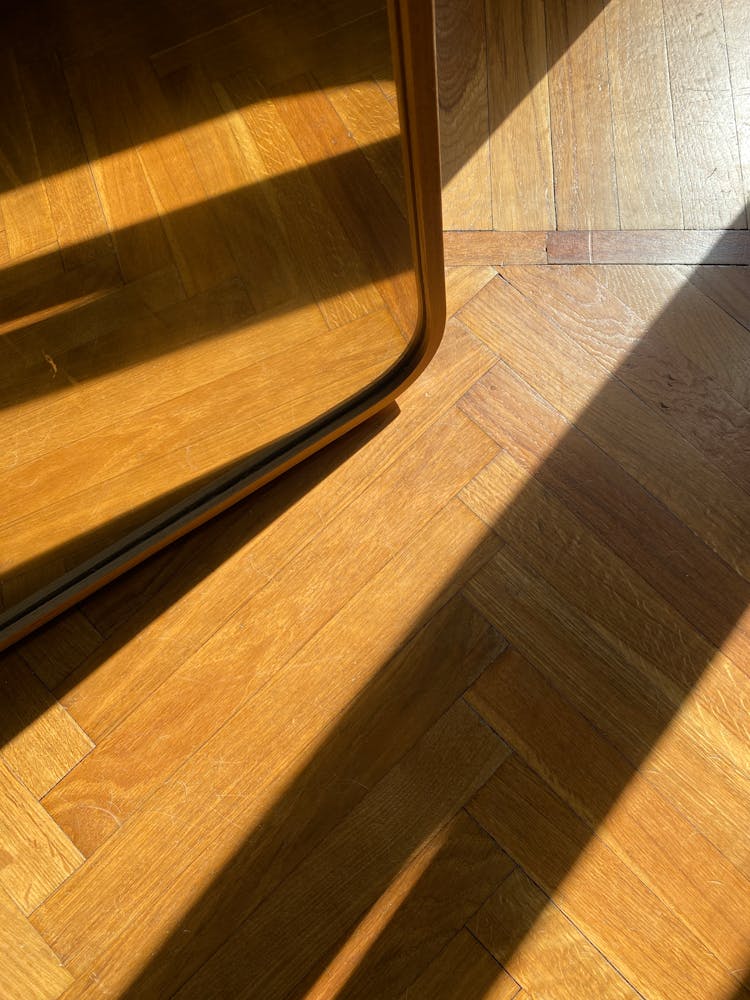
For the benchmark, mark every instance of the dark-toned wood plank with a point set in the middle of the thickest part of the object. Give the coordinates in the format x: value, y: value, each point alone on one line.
x: 416, y: 916
x: 463, y: 969
x: 495, y: 248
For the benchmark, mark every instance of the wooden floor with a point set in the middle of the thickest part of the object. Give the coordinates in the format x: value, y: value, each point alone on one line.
x: 185, y: 235
x: 596, y: 130
x: 457, y: 710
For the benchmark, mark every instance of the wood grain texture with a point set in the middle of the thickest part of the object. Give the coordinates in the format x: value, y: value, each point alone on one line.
x: 571, y: 379
x: 40, y: 741
x: 581, y: 116
x: 705, y: 128
x: 463, y: 969
x: 648, y: 179
x: 709, y: 894
x: 464, y: 127
x: 554, y: 960
x: 606, y: 900
x: 40, y: 973
x: 523, y: 187
x: 37, y: 856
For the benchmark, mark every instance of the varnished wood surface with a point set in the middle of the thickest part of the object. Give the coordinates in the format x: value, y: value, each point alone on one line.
x: 203, y: 248
x: 456, y: 708
x: 615, y: 120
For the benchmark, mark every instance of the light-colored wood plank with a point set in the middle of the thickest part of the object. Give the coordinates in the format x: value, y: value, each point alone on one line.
x: 476, y: 248
x: 581, y: 116
x: 737, y: 36
x: 36, y: 855
x: 462, y: 76
x: 541, y: 948
x: 523, y: 187
x: 641, y: 936
x: 669, y: 306
x: 582, y: 390
x: 628, y: 708
x: 712, y: 190
x: 632, y: 621
x: 40, y: 741
x: 463, y: 969
x: 28, y: 968
x: 383, y: 530
x: 656, y: 348
x: 425, y: 904
x: 648, y: 178
x: 664, y: 849
x: 463, y: 282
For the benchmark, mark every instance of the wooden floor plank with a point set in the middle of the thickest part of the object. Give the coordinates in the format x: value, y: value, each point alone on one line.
x: 28, y: 968
x: 417, y: 915
x: 660, y: 347
x: 37, y: 856
x: 542, y: 949
x: 464, y: 127
x: 582, y: 390
x: 285, y: 518
x: 117, y: 961
x: 462, y: 753
x: 581, y: 116
x: 712, y: 190
x: 622, y: 514
x: 632, y: 620
x: 628, y: 708
x: 40, y: 741
x: 190, y: 694
x: 698, y: 884
x: 463, y: 969
x: 595, y: 890
x: 523, y: 188
x: 648, y: 178
x: 737, y: 37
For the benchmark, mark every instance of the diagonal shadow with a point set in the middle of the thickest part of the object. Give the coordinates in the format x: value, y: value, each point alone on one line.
x: 259, y: 892
x: 285, y: 903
